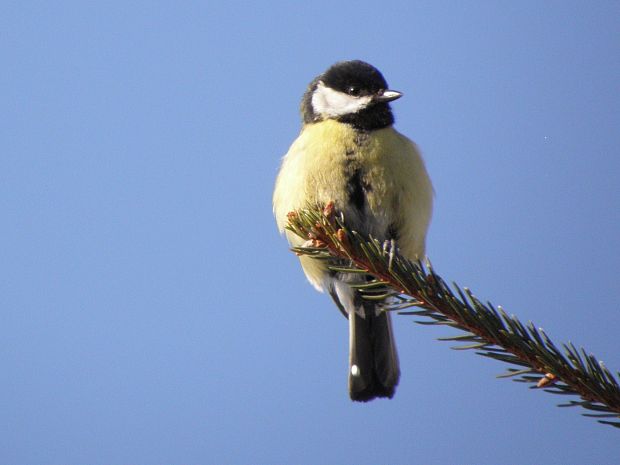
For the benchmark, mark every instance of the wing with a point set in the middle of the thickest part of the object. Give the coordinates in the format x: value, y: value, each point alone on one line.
x: 311, y: 173
x: 412, y: 193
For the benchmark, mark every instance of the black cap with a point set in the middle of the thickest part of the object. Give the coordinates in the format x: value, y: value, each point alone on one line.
x: 356, y: 78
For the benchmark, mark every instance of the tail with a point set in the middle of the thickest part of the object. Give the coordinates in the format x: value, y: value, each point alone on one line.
x: 373, y: 362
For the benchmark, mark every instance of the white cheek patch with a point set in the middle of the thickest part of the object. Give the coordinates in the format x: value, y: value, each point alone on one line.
x: 332, y: 103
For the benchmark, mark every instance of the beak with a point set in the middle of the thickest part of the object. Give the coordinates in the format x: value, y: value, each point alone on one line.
x: 387, y: 96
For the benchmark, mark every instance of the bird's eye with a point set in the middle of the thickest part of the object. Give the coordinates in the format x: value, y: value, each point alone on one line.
x: 353, y: 90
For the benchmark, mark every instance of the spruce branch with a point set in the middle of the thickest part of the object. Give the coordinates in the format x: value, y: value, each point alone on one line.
x: 413, y: 288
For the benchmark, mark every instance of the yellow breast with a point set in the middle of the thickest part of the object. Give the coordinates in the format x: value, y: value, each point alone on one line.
x: 398, y: 193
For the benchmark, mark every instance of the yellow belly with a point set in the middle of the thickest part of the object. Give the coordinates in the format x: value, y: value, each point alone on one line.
x: 397, y: 190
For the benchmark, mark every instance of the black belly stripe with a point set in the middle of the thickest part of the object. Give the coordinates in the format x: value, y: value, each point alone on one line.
x: 392, y: 232
x: 355, y: 190
x: 357, y: 187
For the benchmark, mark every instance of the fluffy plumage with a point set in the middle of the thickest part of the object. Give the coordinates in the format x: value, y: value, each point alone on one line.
x: 349, y: 153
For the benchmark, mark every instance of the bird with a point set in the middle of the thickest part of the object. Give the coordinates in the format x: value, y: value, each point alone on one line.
x: 348, y: 153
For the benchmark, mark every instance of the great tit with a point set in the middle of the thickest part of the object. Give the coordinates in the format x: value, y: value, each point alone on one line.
x: 349, y: 153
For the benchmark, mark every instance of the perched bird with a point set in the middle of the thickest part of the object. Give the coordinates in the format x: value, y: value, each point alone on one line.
x: 349, y: 153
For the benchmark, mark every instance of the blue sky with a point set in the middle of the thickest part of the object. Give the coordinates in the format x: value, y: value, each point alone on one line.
x: 151, y: 314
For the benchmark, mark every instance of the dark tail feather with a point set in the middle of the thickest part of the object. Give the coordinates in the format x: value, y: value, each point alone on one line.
x: 373, y: 361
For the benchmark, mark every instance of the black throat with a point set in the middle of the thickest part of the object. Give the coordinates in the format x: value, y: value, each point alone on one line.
x: 377, y: 116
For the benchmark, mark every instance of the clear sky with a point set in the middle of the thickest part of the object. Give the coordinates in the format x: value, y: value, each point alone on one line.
x: 151, y: 314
